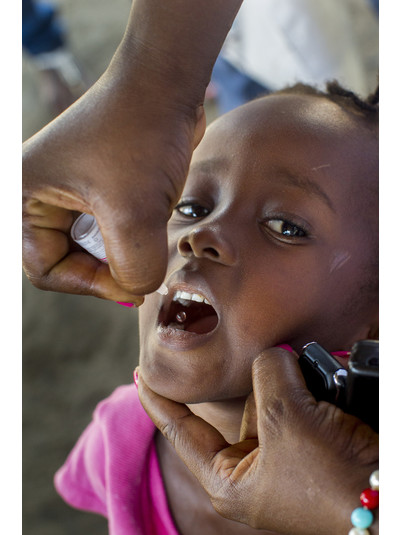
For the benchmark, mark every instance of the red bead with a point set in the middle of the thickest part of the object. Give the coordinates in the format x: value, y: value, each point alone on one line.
x: 370, y: 498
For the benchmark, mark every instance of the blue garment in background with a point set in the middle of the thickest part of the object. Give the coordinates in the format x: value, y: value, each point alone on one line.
x: 41, y: 29
x: 375, y: 5
x: 233, y: 87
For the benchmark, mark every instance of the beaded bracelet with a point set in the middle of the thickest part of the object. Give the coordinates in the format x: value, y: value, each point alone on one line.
x: 362, y: 517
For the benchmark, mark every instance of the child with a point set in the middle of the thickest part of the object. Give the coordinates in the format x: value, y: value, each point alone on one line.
x: 274, y: 241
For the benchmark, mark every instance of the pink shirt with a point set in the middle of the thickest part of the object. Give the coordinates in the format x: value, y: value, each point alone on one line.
x: 113, y: 469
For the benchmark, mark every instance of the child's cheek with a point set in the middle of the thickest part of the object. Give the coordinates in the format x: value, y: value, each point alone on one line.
x: 338, y: 260
x: 148, y: 313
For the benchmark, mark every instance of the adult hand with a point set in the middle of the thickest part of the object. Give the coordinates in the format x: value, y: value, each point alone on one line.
x: 122, y: 153
x: 299, y: 467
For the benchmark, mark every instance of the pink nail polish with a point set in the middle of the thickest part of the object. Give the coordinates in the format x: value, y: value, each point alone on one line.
x: 343, y: 354
x: 130, y: 305
x: 286, y: 346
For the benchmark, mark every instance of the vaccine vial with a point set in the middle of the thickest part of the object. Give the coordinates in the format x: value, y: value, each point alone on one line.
x: 86, y: 232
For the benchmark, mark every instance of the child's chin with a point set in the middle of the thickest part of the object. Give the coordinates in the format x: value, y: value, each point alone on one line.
x: 181, y: 394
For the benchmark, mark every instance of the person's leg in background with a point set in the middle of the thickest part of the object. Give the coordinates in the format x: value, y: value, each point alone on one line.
x: 375, y: 5
x: 233, y: 88
x: 60, y: 79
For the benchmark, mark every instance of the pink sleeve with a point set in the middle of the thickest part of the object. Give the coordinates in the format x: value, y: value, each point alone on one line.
x: 81, y: 480
x: 113, y: 469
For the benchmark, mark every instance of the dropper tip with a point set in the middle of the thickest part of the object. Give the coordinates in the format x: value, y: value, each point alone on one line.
x: 163, y: 290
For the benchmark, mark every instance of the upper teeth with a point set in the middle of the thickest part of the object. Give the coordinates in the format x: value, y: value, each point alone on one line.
x: 190, y: 297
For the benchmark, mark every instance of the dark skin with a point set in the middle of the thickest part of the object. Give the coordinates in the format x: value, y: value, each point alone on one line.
x: 277, y: 233
x: 104, y: 153
x: 331, y: 455
x: 280, y: 190
x: 128, y: 139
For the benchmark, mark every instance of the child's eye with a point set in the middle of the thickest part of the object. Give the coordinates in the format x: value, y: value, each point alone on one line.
x: 192, y: 210
x: 285, y: 228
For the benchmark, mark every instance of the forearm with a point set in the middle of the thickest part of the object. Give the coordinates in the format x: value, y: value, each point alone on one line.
x: 176, y: 42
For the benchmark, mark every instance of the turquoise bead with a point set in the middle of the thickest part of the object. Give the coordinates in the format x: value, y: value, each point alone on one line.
x: 362, y: 518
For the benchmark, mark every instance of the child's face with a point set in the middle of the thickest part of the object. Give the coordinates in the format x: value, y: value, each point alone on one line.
x: 276, y: 228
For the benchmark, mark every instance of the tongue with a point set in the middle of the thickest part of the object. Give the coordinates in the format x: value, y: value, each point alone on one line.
x: 202, y: 325
x: 194, y: 317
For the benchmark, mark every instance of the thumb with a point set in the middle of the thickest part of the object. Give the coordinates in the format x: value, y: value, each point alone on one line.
x: 195, y: 441
x: 136, y: 248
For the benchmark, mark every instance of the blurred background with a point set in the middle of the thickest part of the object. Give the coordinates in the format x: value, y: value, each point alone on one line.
x: 76, y: 350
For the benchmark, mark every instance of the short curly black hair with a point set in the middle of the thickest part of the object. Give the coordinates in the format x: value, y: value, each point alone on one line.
x: 368, y: 108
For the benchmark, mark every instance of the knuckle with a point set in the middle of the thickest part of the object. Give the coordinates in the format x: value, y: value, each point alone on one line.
x: 169, y: 431
x: 225, y: 469
x: 39, y: 280
x: 273, y: 415
x: 292, y: 408
x: 174, y: 431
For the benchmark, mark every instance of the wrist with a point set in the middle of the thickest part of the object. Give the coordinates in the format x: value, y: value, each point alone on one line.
x: 357, y: 512
x: 363, y: 518
x: 338, y: 498
x: 175, y: 44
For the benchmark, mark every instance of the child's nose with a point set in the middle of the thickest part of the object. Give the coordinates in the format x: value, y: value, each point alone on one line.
x: 207, y: 241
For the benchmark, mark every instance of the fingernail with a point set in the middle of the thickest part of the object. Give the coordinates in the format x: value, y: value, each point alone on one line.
x: 136, y: 376
x: 286, y: 346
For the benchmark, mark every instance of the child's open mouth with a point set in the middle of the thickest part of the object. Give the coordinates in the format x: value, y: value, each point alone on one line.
x: 189, y: 312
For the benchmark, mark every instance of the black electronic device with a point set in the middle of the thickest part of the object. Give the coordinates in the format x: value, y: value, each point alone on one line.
x: 356, y: 389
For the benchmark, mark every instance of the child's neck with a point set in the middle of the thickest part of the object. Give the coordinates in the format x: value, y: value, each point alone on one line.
x: 189, y: 503
x: 226, y: 416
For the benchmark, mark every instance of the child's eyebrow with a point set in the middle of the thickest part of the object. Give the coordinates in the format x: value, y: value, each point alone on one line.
x: 209, y: 166
x: 305, y: 183
x: 298, y: 180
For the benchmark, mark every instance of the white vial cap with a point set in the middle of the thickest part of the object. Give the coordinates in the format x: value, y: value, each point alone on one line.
x: 82, y: 227
x: 85, y: 231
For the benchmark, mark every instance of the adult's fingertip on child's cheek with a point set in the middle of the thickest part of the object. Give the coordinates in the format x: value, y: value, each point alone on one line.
x: 270, y: 358
x: 278, y: 368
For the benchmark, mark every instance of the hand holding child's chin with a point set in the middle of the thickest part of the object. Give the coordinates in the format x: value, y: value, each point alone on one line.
x: 300, y: 465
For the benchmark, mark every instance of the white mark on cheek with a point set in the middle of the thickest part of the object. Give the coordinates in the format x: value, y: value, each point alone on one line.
x: 339, y: 260
x: 321, y: 167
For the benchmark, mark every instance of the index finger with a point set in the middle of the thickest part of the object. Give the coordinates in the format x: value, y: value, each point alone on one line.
x: 195, y: 441
x: 51, y: 264
x: 215, y: 463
